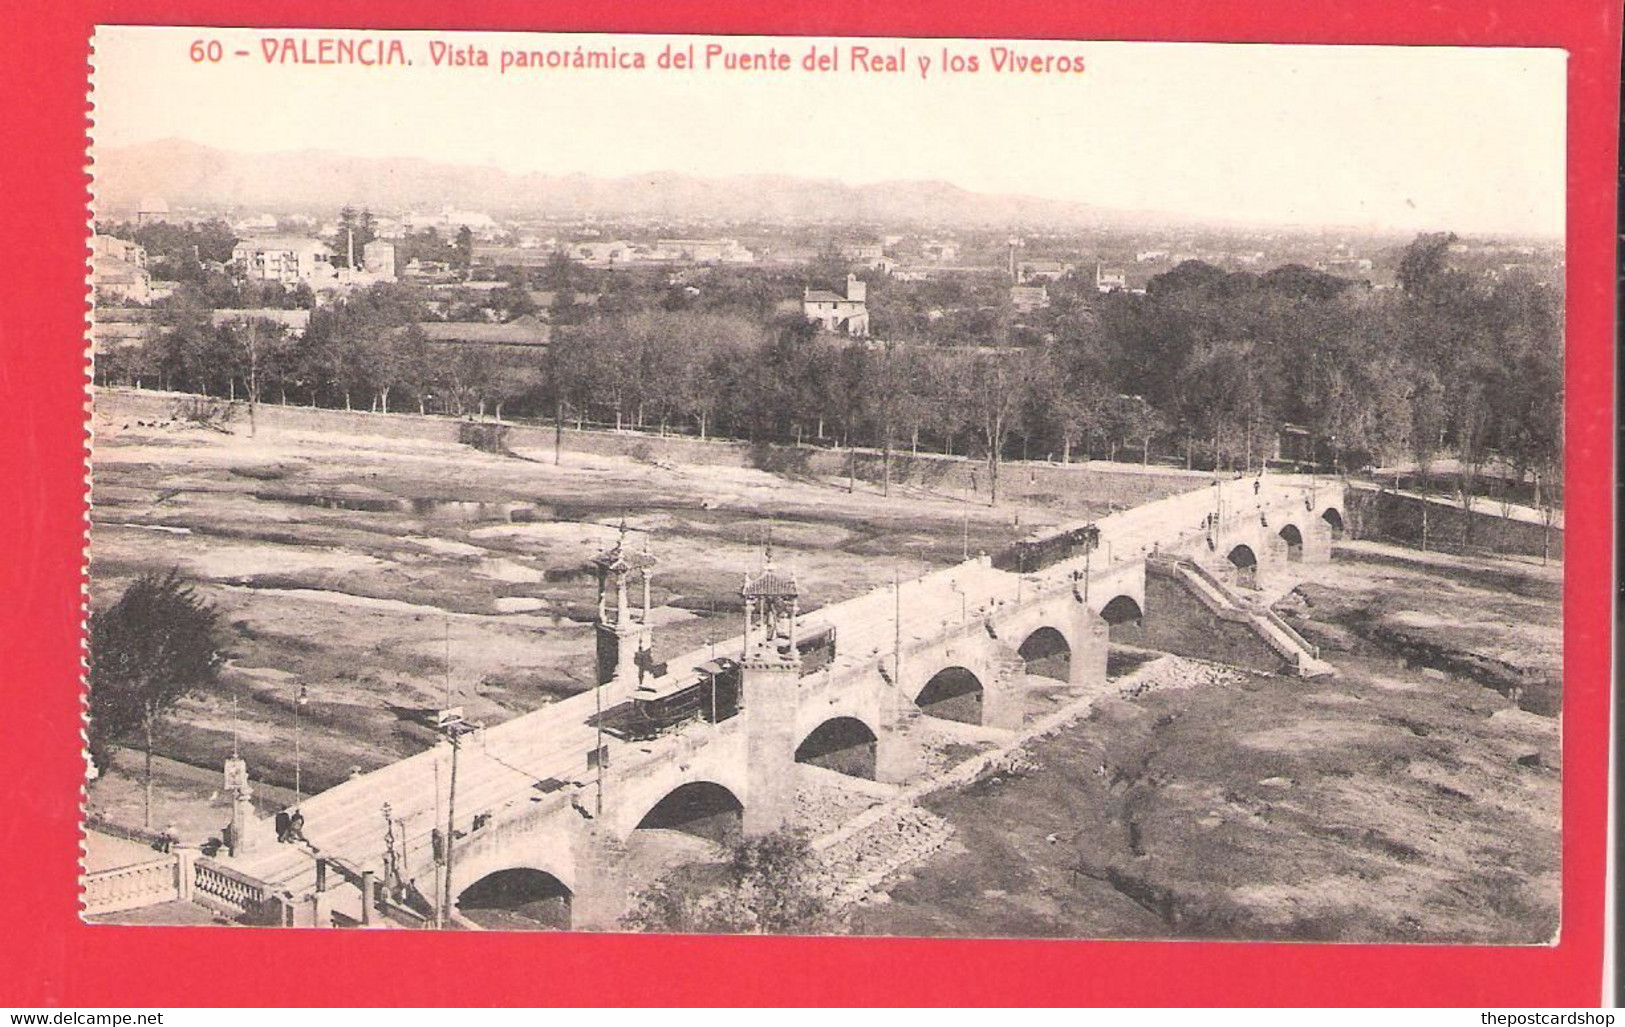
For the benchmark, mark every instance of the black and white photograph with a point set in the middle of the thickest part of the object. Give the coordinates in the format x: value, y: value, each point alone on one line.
x: 949, y: 488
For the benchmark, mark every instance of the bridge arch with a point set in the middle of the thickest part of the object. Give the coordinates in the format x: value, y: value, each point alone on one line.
x: 704, y: 809
x: 515, y: 898
x: 1122, y: 610
x: 1293, y: 538
x: 1047, y: 653
x: 1334, y: 520
x: 845, y: 745
x: 1125, y: 619
x: 953, y: 693
x: 1245, y: 562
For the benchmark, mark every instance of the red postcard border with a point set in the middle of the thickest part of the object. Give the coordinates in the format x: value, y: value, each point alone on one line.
x: 48, y: 958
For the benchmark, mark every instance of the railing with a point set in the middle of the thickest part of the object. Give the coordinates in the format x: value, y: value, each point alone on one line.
x: 1292, y: 633
x: 131, y: 887
x: 1211, y: 591
x: 219, y: 886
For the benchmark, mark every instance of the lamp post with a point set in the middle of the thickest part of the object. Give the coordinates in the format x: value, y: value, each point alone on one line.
x: 453, y: 726
x: 965, y: 554
x: 299, y: 702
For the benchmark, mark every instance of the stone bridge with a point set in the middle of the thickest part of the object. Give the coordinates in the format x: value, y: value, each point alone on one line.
x: 562, y: 793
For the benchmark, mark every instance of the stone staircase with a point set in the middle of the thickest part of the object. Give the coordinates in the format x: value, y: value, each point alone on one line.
x: 1220, y: 599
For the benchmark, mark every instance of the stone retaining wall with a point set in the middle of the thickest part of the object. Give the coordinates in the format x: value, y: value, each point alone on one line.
x: 1397, y: 517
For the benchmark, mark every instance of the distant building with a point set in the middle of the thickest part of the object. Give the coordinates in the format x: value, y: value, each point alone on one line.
x: 117, y: 328
x: 706, y: 251
x: 378, y: 257
x: 524, y: 332
x: 151, y: 210
x: 286, y: 259
x: 1345, y: 265
x: 940, y: 251
x: 863, y: 252
x: 602, y: 254
x: 452, y: 221
x: 1108, y: 279
x: 1042, y: 271
x: 118, y: 270
x: 257, y: 224
x: 295, y: 320
x: 836, y: 313
x: 1028, y: 298
x: 428, y: 271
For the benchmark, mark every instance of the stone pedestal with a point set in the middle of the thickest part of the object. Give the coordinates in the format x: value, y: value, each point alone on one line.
x: 185, y: 871
x: 247, y: 832
x: 617, y: 651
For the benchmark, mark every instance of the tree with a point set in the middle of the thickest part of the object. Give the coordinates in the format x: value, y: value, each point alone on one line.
x: 464, y: 258
x: 356, y: 230
x: 1001, y: 386
x: 1424, y: 263
x: 157, y: 644
x: 772, y: 885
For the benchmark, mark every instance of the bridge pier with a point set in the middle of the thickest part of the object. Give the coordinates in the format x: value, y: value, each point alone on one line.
x: 1004, y: 695
x: 769, y: 686
x: 897, y: 755
x: 1091, y: 642
x: 601, y: 894
x: 1317, y: 541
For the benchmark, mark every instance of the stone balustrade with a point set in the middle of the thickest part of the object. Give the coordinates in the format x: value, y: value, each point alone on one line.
x: 131, y: 887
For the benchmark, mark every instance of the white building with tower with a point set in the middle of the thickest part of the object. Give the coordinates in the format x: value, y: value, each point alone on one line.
x: 847, y: 314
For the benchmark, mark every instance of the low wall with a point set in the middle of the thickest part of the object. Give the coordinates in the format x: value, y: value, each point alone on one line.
x: 1097, y: 482
x: 1398, y: 517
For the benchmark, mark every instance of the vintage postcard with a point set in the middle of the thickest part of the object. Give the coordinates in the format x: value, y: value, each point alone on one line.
x: 836, y: 486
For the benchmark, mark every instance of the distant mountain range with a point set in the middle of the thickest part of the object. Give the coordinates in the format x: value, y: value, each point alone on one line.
x: 187, y: 174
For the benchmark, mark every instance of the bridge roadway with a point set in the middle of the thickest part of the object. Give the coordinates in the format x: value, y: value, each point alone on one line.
x: 534, y: 766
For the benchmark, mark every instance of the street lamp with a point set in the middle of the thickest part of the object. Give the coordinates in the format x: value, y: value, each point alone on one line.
x: 451, y: 723
x: 299, y: 702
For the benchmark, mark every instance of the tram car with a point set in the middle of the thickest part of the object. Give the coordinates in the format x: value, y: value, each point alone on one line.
x: 712, y: 695
x: 816, y: 644
x: 1035, y: 554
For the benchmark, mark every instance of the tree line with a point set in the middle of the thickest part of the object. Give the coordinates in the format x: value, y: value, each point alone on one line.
x: 1204, y: 370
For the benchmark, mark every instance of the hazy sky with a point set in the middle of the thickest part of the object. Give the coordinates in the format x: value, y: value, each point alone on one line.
x: 1385, y: 137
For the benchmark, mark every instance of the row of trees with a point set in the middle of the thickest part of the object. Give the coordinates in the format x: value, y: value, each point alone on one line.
x: 1205, y: 369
